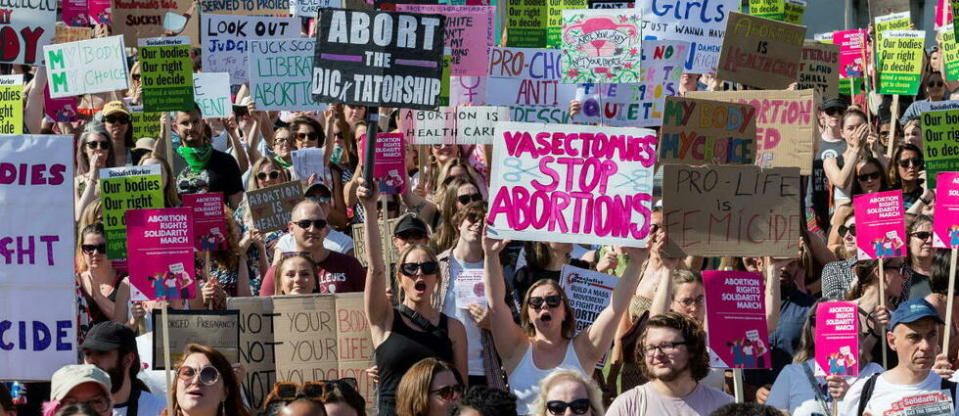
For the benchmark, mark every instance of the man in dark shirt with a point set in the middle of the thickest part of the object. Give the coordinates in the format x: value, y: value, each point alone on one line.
x: 208, y: 169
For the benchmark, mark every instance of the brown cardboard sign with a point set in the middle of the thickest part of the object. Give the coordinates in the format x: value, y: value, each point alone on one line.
x: 819, y: 69
x: 700, y: 131
x: 759, y: 52
x: 272, y: 206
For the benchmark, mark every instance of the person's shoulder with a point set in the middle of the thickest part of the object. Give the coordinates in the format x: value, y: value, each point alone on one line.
x: 715, y: 395
x: 151, y: 404
x: 626, y: 400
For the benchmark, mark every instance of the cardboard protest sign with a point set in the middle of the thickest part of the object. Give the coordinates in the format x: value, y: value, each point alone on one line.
x: 160, y: 254
x: 950, y: 53
x: 880, y: 227
x: 247, y: 7
x: 761, y: 53
x: 460, y: 125
x: 394, y: 58
x: 281, y: 74
x: 527, y: 80
x: 145, y: 124
x: 736, y: 320
x: 589, y: 292
x: 940, y: 139
x: 11, y: 104
x: 140, y: 19
x: 211, y: 91
x: 38, y: 299
x: 837, y: 339
x: 851, y: 44
x: 166, y: 73
x: 750, y: 210
x: 698, y: 131
x: 945, y: 224
x: 703, y: 29
x: 767, y: 9
x: 386, y: 232
x: 786, y: 124
x: 255, y: 346
x: 569, y: 183
x: 216, y: 329
x: 64, y: 33
x: 793, y: 11
x: 636, y: 104
x: 819, y: 69
x: 226, y: 41
x: 271, y: 206
x: 123, y: 189
x: 389, y: 169
x: 463, y: 34
x: 309, y: 8
x: 894, y: 21
x: 26, y: 26
x: 209, y: 223
x: 601, y: 46
x: 60, y: 109
x: 900, y: 64
x: 86, y: 67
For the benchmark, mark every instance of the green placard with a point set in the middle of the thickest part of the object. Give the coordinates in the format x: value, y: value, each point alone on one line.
x: 444, y: 99
x: 166, y: 71
x: 851, y: 86
x: 554, y: 19
x: 526, y: 23
x: 955, y: 16
x: 940, y: 138
x: 950, y: 53
x: 144, y: 124
x: 793, y: 11
x: 769, y: 9
x: 900, y: 69
x: 123, y: 189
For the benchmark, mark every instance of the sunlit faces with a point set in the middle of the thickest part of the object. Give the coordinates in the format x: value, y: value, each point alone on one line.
x: 689, y: 299
x: 848, y: 234
x: 91, y: 394
x: 354, y: 113
x: 666, y: 355
x: 546, y: 309
x: 193, y: 394
x: 268, y: 175
x: 916, y: 343
x: 465, y: 194
x: 471, y: 229
x: 297, y: 277
x: 282, y: 142
x: 445, y: 391
x: 935, y: 87
x: 339, y: 409
x: 312, y: 237
x: 920, y: 241
x: 421, y: 283
x: 189, y: 126
x: 913, y: 135
x: 869, y: 176
x: 850, y: 124
x: 910, y: 164
x: 94, y: 250
x: 306, y: 136
x: 444, y: 152
x: 117, y: 125
x: 97, y: 144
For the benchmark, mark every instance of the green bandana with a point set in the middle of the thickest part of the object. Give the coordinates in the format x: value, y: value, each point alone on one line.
x: 282, y: 162
x: 196, y: 157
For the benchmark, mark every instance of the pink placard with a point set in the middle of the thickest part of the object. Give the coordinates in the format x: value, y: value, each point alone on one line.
x: 943, y: 13
x: 851, y: 44
x: 880, y: 228
x: 75, y: 12
x: 99, y: 11
x: 161, y: 254
x: 59, y: 109
x: 736, y: 317
x: 209, y: 224
x: 464, y: 34
x: 389, y: 169
x: 945, y: 224
x: 837, y: 339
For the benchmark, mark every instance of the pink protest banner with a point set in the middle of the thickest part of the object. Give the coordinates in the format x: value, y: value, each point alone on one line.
x: 99, y: 11
x: 160, y: 254
x: 209, y: 224
x: 572, y: 183
x: 945, y: 224
x: 74, y: 12
x: 837, y: 339
x: 851, y: 44
x: 880, y: 229
x: 736, y: 320
x: 59, y: 109
x: 389, y: 170
x: 468, y: 32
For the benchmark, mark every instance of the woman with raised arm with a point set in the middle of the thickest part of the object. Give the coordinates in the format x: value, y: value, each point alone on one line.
x: 547, y: 339
x: 415, y: 329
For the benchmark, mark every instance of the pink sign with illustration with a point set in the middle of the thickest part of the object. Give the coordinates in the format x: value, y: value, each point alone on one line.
x: 389, y: 170
x: 945, y: 224
x: 880, y: 228
x: 851, y: 44
x: 209, y: 224
x: 161, y: 254
x: 99, y: 11
x: 59, y: 109
x: 736, y: 320
x: 74, y: 12
x: 837, y: 339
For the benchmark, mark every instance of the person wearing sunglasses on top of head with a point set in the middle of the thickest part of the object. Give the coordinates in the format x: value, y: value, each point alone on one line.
x: 205, y: 385
x: 933, y: 89
x: 907, y: 173
x: 545, y: 338
x: 119, y: 124
x: 417, y: 328
x: 568, y: 392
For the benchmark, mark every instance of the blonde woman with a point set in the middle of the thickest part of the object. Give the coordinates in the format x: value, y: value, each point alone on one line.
x: 565, y: 392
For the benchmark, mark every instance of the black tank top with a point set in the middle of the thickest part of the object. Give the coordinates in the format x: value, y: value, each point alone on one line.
x: 404, y: 347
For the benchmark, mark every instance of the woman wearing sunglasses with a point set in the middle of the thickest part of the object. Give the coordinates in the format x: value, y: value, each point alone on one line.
x: 265, y: 172
x: 933, y: 89
x: 838, y: 275
x: 416, y: 329
x: 568, y: 392
x: 545, y: 339
x: 459, y: 193
x: 869, y: 177
x: 907, y: 173
x: 430, y: 388
x: 917, y: 271
x: 102, y: 291
x: 205, y: 385
x: 94, y: 152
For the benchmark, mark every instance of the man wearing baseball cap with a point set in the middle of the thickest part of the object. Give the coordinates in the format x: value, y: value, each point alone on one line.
x: 914, y: 334
x: 112, y: 347
x: 83, y: 383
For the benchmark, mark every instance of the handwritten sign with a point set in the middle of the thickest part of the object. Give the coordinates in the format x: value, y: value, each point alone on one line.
x: 463, y: 34
x: 460, y: 125
x: 837, y: 339
x: 703, y: 29
x: 226, y: 41
x: 390, y: 253
x: 380, y: 57
x: 761, y: 53
x: 880, y: 228
x: 945, y: 224
x: 247, y: 7
x: 216, y: 329
x: 589, y: 293
x: 256, y: 346
x: 901, y: 54
x: 601, y: 46
x: 528, y: 82
x: 211, y: 91
x: 389, y: 169
x: 11, y: 104
x: 736, y: 320
x: 569, y: 183
x: 940, y: 142
x: 166, y: 71
x: 160, y: 254
x: 139, y: 19
x: 123, y: 189
x: 700, y: 131
x: 27, y: 26
x: 209, y: 223
x: 750, y: 211
x: 86, y: 67
x: 64, y: 33
x: 37, y: 303
x: 271, y: 206
x: 309, y: 8
x: 819, y: 69
x: 281, y: 73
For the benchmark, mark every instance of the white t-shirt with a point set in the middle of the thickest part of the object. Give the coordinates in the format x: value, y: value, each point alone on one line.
x: 890, y: 399
x: 793, y: 393
x: 474, y: 338
x: 148, y: 405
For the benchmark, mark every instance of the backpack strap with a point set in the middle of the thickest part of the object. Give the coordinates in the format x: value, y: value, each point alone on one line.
x: 867, y: 390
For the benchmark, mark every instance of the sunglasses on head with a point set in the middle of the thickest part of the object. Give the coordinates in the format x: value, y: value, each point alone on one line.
x: 931, y: 84
x: 305, y: 224
x: 865, y: 177
x: 922, y: 235
x: 117, y: 119
x: 558, y: 407
x: 411, y: 269
x: 91, y: 248
x: 915, y: 162
x: 93, y: 144
x: 466, y: 199
x: 449, y: 392
x: 208, y: 374
x: 843, y: 230
x: 263, y: 175
x: 307, y: 136
x: 552, y: 301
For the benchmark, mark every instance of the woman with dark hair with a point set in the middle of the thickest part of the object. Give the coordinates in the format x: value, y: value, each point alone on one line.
x: 307, y: 132
x: 859, y: 142
x: 869, y: 177
x: 205, y: 385
x: 94, y: 152
x: 459, y: 193
x: 546, y: 334
x: 117, y: 121
x: 102, y: 292
x: 342, y: 399
x: 485, y: 401
x: 838, y: 275
x: 919, y: 264
x: 905, y: 173
x: 265, y: 172
x: 429, y: 388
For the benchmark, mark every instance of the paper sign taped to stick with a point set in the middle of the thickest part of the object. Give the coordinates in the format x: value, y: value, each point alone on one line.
x: 271, y: 206
x: 459, y: 125
x: 216, y: 329
x: 837, y: 339
x: 736, y: 320
x: 750, y: 211
x: 160, y: 253
x: 139, y: 19
x: 940, y: 141
x: 880, y: 227
x: 226, y: 41
x: 166, y: 71
x: 569, y: 183
x: 27, y: 26
x: 761, y: 53
x: 211, y: 91
x: 601, y: 46
x: 281, y: 74
x: 697, y: 131
x: 378, y: 58
x: 86, y: 67
x: 11, y: 104
x: 209, y: 224
x: 703, y: 29
x: 123, y: 189
x: 38, y: 298
x: 819, y: 69
x: 589, y: 292
x: 945, y: 224
x: 463, y: 34
x: 786, y: 124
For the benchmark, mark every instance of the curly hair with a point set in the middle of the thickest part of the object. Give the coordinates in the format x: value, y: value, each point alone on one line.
x: 693, y: 335
x: 487, y: 402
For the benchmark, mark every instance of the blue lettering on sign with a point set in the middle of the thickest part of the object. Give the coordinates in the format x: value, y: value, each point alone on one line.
x: 683, y: 9
x: 42, y: 338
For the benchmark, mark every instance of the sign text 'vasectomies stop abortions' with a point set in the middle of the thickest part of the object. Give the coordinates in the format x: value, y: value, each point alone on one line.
x: 569, y: 183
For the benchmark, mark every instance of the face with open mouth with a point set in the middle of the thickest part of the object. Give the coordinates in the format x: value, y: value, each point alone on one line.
x: 202, y: 392
x: 418, y: 273
x: 545, y: 308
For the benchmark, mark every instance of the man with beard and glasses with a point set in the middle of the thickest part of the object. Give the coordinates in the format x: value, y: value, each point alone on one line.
x: 673, y: 356
x: 112, y: 347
